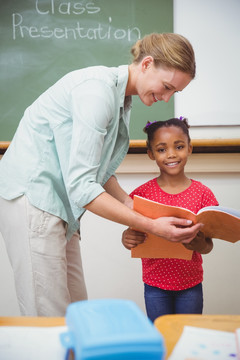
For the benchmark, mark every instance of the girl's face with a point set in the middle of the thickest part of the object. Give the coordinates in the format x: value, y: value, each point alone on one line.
x: 158, y: 83
x: 170, y: 149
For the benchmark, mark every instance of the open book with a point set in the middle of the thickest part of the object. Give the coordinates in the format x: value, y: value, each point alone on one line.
x: 219, y: 222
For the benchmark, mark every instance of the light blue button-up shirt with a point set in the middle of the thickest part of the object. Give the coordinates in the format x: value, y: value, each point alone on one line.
x: 69, y: 143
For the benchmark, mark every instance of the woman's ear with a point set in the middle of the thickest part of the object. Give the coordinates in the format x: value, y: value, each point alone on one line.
x: 150, y: 154
x: 147, y: 62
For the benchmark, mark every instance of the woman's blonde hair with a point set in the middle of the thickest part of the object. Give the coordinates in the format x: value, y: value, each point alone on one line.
x: 167, y: 49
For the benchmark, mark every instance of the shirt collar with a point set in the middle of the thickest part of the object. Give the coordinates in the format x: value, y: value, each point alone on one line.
x: 125, y: 101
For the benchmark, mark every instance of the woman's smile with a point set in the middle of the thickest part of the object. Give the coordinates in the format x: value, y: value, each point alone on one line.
x: 155, y: 98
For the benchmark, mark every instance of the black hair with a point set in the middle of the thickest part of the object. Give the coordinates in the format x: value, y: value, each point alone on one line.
x: 151, y: 127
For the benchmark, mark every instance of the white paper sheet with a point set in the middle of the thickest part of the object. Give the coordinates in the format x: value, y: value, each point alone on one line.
x: 31, y: 343
x: 205, y: 344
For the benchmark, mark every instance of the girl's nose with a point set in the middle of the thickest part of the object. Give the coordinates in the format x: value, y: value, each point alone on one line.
x: 171, y: 154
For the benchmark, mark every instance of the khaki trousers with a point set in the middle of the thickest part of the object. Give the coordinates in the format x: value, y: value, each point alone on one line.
x: 47, y: 268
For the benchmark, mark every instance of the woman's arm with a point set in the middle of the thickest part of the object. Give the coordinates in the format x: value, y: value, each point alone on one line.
x: 170, y: 228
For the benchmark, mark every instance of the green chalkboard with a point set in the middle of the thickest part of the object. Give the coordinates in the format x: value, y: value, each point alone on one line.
x: 42, y: 40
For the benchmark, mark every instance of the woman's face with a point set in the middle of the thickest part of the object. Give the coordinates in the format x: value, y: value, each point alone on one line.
x: 157, y: 83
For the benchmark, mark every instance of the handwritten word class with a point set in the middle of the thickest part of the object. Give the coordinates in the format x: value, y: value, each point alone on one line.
x: 66, y: 8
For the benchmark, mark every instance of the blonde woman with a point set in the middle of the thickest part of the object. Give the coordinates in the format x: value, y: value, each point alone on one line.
x: 62, y: 160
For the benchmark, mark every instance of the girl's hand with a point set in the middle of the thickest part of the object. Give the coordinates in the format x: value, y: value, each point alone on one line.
x: 200, y: 243
x: 131, y: 238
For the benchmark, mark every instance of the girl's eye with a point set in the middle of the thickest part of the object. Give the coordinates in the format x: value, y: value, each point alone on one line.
x: 161, y: 150
x: 180, y: 147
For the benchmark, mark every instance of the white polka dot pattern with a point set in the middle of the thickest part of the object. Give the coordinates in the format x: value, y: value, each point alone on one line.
x: 175, y: 274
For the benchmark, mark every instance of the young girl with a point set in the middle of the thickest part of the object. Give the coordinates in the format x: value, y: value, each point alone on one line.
x: 172, y: 286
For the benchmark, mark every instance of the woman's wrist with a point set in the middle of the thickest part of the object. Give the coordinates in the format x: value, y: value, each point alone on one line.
x: 128, y: 201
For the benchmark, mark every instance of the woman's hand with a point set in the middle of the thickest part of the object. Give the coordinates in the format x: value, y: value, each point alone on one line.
x: 170, y: 228
x: 200, y: 243
x: 175, y: 229
x: 132, y: 238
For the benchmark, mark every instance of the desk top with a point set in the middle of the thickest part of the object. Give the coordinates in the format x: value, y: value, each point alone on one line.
x: 170, y: 326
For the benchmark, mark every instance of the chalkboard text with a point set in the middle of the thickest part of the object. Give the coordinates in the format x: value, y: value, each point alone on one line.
x: 67, y: 8
x: 52, y: 20
x: 78, y: 31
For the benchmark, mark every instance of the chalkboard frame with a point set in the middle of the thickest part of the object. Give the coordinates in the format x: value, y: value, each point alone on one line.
x: 202, y: 146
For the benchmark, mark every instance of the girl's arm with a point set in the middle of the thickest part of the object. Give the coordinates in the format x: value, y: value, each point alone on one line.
x: 113, y: 188
x: 200, y: 243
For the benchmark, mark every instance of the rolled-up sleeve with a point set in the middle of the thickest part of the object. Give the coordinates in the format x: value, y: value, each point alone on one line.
x: 92, y: 108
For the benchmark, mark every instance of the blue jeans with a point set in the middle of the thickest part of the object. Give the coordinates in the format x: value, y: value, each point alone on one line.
x: 162, y: 302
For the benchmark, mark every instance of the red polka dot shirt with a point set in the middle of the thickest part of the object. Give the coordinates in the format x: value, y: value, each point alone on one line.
x: 175, y: 274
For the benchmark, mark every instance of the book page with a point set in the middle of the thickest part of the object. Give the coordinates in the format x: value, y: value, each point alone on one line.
x: 220, y: 225
x: 204, y: 344
x: 237, y: 333
x: 231, y: 211
x: 31, y: 343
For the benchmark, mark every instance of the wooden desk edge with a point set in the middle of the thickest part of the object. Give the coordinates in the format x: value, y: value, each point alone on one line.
x: 32, y: 321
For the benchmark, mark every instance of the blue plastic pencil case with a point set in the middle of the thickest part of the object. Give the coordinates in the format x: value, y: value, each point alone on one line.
x: 113, y: 329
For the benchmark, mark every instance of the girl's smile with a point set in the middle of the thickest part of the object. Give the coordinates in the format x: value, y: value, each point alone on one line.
x: 172, y: 164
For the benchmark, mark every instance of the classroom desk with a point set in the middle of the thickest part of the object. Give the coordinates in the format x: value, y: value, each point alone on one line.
x: 170, y: 326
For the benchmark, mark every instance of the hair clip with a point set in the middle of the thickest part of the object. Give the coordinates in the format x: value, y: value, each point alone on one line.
x: 181, y: 118
x: 149, y: 123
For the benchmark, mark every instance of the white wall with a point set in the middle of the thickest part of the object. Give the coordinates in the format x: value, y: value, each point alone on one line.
x: 112, y: 273
x: 109, y: 270
x: 213, y: 27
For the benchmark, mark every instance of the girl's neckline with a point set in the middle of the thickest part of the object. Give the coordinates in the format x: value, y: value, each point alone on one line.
x: 173, y: 194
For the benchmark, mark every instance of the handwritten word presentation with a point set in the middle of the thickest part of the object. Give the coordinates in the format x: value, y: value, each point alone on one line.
x: 72, y: 20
